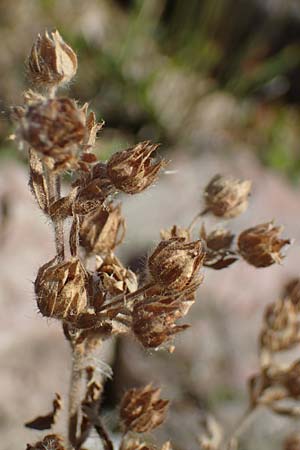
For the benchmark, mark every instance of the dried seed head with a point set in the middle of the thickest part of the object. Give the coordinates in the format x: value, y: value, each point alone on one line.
x: 261, y: 246
x: 101, y: 231
x: 134, y: 169
x: 227, y: 196
x: 53, y: 128
x: 115, y: 278
x: 175, y: 232
x: 50, y: 442
x: 142, y: 409
x: 218, y: 248
x: 153, y: 320
x: 60, y: 289
x: 292, y: 442
x: 136, y: 444
x: 175, y: 263
x: 51, y: 61
x: 280, y: 329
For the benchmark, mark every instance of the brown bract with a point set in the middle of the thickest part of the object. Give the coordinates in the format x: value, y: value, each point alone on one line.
x: 50, y: 442
x: 142, y: 409
x: 175, y: 232
x: 261, y: 245
x: 101, y: 231
x: 227, y: 196
x: 53, y: 127
x: 60, y: 289
x: 134, y: 169
x: 51, y: 61
x: 175, y: 263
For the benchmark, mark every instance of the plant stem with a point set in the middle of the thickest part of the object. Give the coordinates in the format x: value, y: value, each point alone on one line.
x: 75, y: 392
x: 239, y: 428
x: 196, y: 218
x: 54, y: 187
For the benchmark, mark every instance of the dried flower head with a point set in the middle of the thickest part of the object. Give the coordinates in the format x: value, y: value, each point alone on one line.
x: 53, y: 127
x: 60, y: 289
x: 218, y: 248
x: 142, y: 409
x: 292, y: 442
x: 134, y: 169
x: 51, y: 61
x: 261, y: 245
x: 115, y: 278
x: 137, y: 444
x: 227, y: 196
x: 50, y: 442
x: 101, y: 231
x: 154, y: 319
x: 281, y: 328
x: 175, y: 263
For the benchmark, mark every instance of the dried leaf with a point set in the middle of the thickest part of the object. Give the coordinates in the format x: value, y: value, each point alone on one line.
x: 37, y: 181
x: 74, y: 236
x: 63, y: 207
x: 46, y: 422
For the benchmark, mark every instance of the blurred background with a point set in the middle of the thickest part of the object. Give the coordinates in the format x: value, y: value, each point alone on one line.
x: 217, y: 83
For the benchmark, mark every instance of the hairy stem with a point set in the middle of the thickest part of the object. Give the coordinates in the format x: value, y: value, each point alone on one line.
x: 54, y: 186
x: 75, y: 393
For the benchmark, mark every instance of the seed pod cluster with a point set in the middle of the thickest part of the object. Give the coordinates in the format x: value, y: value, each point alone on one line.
x: 50, y: 442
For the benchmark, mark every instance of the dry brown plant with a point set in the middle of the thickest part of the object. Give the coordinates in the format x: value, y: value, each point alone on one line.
x: 87, y: 289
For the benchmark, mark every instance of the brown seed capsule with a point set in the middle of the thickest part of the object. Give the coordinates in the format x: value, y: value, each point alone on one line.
x: 60, y: 289
x: 101, y: 231
x: 153, y: 320
x: 134, y: 169
x: 50, y: 442
x: 51, y: 61
x: 175, y: 263
x: 218, y: 248
x: 53, y: 127
x: 142, y: 409
x: 115, y: 278
x: 292, y: 442
x: 261, y: 246
x: 227, y: 196
x: 136, y: 444
x: 292, y: 292
x: 291, y: 380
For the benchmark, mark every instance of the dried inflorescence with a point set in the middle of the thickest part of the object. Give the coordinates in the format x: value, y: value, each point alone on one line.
x: 134, y: 169
x: 261, y: 245
x: 226, y: 196
x: 60, y: 289
x: 175, y: 263
x: 142, y: 409
x: 51, y: 61
x: 103, y: 230
x: 88, y: 289
x: 53, y: 127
